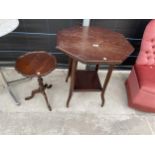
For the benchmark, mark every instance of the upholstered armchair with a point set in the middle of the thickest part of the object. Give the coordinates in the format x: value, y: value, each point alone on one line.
x: 141, y: 82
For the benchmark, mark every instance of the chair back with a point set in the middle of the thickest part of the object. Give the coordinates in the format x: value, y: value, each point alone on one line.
x: 147, y: 50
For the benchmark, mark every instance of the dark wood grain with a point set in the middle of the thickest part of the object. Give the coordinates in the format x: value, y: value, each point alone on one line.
x: 89, y: 81
x: 35, y: 63
x: 94, y: 45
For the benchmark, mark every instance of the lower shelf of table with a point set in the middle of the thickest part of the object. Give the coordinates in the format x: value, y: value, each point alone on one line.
x: 87, y: 81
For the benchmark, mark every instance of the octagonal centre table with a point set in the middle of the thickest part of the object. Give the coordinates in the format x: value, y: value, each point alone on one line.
x: 91, y: 45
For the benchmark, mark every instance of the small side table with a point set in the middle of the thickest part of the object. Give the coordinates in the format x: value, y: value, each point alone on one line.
x: 92, y: 45
x: 37, y: 64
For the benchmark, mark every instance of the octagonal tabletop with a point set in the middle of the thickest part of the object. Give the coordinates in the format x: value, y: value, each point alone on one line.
x: 94, y: 45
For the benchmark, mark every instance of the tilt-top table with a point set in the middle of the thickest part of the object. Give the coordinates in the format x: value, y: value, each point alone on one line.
x: 91, y: 45
x: 37, y: 64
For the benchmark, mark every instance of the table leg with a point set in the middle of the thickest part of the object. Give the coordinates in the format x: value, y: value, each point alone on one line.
x: 97, y: 67
x: 7, y: 86
x: 33, y: 94
x: 46, y: 99
x: 69, y: 69
x: 110, y: 69
x: 73, y: 71
x: 41, y: 89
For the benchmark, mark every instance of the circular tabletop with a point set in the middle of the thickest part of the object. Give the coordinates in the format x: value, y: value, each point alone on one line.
x: 94, y: 45
x: 36, y: 63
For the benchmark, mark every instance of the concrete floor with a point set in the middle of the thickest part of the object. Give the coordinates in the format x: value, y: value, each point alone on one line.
x: 85, y: 116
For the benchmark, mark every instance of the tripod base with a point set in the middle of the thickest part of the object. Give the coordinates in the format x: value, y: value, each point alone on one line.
x: 41, y: 89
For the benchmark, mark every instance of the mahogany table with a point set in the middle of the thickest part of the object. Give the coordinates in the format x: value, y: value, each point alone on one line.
x: 37, y: 64
x: 94, y: 45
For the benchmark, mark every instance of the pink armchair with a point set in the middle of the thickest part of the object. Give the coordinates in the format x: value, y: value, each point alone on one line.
x: 141, y: 82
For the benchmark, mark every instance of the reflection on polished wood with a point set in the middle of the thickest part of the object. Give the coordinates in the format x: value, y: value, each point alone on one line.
x: 94, y: 45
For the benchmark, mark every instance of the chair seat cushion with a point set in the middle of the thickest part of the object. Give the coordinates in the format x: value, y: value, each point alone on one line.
x: 146, y: 77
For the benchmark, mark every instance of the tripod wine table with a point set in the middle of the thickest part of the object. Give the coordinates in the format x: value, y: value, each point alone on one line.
x: 37, y: 64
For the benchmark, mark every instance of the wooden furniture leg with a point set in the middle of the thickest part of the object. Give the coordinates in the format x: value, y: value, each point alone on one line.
x: 69, y: 69
x: 73, y: 72
x: 110, y: 69
x: 96, y: 67
x: 33, y: 94
x: 46, y: 99
x: 41, y: 89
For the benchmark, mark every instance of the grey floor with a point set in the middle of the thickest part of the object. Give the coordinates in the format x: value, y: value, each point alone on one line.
x: 85, y: 116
